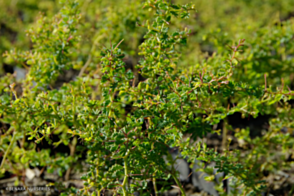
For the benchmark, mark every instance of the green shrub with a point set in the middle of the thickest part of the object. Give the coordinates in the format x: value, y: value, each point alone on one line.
x: 127, y: 124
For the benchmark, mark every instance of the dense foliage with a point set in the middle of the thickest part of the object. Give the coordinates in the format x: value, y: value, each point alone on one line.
x: 147, y: 76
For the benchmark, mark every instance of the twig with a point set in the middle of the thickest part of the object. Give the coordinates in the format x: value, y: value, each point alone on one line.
x: 265, y: 82
x: 8, y: 149
x: 89, y: 57
x: 119, y: 43
x: 72, y: 148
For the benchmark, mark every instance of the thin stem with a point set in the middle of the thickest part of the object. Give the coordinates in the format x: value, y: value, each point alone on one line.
x: 154, y: 184
x: 90, y: 56
x: 8, y: 149
x: 265, y: 82
x: 178, y: 183
x: 24, y: 184
x: 72, y: 148
x: 225, y: 132
x: 125, y: 182
x: 97, y: 172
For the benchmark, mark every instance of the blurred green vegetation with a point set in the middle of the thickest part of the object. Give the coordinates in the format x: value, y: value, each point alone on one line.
x: 266, y: 25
